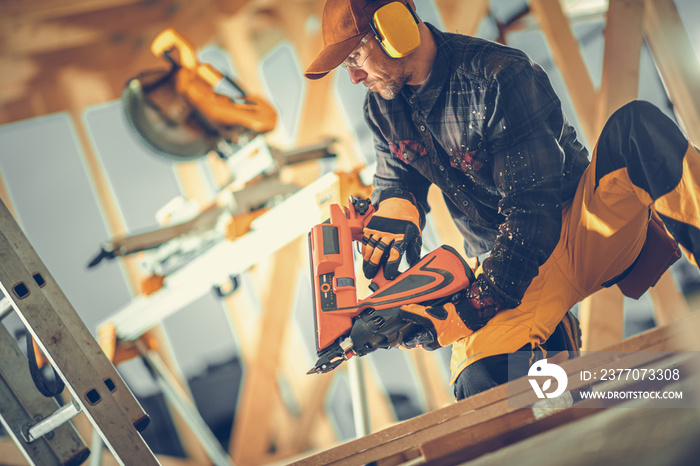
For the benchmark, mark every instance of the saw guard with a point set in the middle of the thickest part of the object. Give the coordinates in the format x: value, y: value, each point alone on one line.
x: 178, y: 112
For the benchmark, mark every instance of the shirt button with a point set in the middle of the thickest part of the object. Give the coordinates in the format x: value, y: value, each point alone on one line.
x: 442, y: 169
x: 422, y: 127
x: 465, y: 203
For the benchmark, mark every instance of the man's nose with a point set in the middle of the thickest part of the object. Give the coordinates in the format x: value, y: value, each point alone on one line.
x: 357, y: 75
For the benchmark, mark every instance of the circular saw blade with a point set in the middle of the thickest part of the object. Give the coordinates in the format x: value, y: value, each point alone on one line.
x: 164, y: 121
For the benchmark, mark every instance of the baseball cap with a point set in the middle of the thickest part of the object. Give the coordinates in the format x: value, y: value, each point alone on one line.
x: 344, y: 25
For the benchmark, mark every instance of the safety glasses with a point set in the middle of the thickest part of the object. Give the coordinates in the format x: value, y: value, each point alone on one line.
x: 358, y: 57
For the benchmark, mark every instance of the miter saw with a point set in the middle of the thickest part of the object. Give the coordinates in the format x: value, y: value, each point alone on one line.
x: 186, y: 112
x: 179, y: 113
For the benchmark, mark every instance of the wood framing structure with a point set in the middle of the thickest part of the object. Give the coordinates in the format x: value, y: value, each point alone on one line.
x: 69, y: 55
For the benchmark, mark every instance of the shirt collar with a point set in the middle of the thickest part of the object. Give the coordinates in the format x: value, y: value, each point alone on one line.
x: 426, y: 95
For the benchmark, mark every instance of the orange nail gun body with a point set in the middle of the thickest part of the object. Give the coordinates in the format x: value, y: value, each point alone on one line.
x: 346, y: 327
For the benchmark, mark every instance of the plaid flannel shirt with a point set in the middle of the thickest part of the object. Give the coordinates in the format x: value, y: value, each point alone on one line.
x: 488, y: 129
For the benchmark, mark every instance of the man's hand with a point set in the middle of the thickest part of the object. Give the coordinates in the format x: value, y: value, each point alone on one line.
x: 392, y: 230
x: 483, y: 304
x: 434, y: 326
x: 442, y: 325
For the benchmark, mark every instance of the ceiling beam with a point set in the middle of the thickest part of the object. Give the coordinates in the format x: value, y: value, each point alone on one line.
x: 677, y: 62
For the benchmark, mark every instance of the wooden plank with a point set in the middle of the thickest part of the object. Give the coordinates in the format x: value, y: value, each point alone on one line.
x: 41, y: 10
x: 492, y: 403
x: 466, y: 444
x: 677, y: 62
x: 621, y: 436
x: 623, y: 44
x: 669, y: 303
x: 620, y: 82
x: 602, y: 319
x: 433, y: 384
x: 569, y: 60
x: 312, y: 406
x: 471, y: 442
x: 84, y: 28
x: 321, y: 114
x: 252, y: 425
x: 82, y: 90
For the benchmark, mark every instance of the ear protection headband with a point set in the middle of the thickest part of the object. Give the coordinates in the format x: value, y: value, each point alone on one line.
x: 395, y: 25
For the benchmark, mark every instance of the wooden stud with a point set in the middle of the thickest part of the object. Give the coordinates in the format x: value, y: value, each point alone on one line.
x: 602, y: 314
x: 623, y: 44
x: 569, y: 60
x: 602, y: 319
x: 252, y: 425
x: 462, y: 16
x: 83, y: 90
x: 434, y: 386
x: 677, y: 62
x: 669, y: 303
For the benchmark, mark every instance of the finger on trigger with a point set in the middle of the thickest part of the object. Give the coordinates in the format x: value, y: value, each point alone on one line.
x: 376, y: 256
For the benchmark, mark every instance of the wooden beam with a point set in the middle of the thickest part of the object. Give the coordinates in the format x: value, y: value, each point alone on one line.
x: 602, y: 314
x: 40, y: 50
x: 41, y: 10
x: 488, y: 416
x: 252, y: 426
x: 433, y: 384
x: 105, y: 26
x: 462, y: 16
x: 602, y: 319
x: 623, y: 45
x: 669, y: 303
x: 82, y: 90
x: 677, y: 62
x: 569, y: 60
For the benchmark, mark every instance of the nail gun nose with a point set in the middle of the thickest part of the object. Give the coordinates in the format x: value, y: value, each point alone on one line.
x: 332, y: 356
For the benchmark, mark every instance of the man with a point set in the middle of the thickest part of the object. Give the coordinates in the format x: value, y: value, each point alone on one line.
x: 482, y: 122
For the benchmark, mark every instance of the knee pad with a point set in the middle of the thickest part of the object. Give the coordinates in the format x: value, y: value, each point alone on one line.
x: 641, y: 138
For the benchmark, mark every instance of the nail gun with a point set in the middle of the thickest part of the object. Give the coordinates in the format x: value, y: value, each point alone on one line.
x: 346, y: 326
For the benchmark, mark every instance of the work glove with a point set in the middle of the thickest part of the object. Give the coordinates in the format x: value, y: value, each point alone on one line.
x: 483, y: 303
x: 392, y: 230
x: 442, y: 325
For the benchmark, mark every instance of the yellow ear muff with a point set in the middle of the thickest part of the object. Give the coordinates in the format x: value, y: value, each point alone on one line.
x: 397, y: 29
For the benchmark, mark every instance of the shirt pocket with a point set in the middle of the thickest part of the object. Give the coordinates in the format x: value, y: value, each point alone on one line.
x: 469, y: 159
x: 407, y: 150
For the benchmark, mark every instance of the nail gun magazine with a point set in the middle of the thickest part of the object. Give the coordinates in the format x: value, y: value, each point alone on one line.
x: 346, y: 326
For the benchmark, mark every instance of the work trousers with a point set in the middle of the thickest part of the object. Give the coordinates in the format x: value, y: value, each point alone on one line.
x: 642, y: 161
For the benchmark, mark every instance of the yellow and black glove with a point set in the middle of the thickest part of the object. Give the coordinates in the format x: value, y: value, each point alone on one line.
x: 441, y: 325
x: 434, y: 326
x: 393, y: 230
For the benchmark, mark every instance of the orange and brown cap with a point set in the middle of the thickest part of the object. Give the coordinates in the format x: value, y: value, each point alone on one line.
x: 345, y: 23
